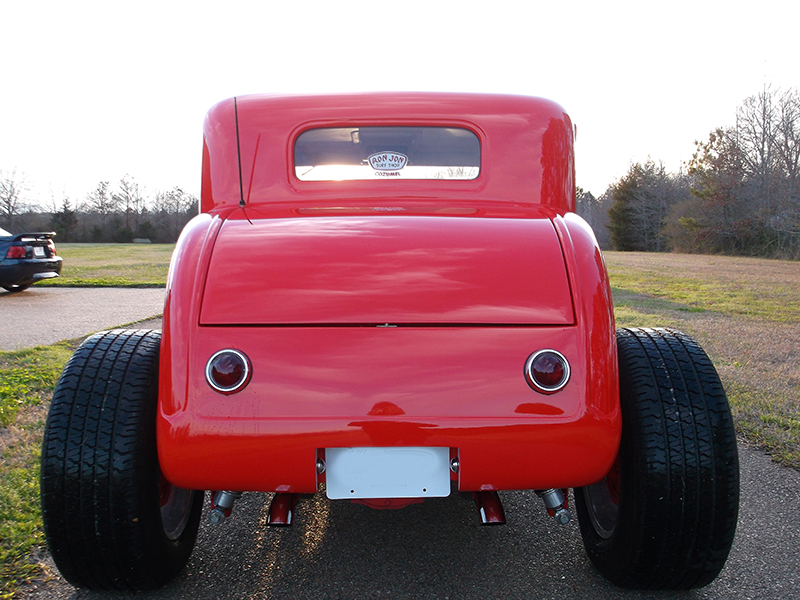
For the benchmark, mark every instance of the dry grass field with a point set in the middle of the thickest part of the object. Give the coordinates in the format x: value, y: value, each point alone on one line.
x: 746, y: 314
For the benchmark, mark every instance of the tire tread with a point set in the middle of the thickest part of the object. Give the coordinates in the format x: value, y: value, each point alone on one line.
x: 99, y: 482
x: 680, y: 467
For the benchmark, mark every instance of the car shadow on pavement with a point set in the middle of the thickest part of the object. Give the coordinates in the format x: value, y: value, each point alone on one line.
x: 437, y: 549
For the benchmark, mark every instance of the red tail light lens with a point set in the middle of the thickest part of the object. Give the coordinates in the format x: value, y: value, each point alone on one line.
x: 547, y: 371
x: 228, y: 371
x: 16, y: 252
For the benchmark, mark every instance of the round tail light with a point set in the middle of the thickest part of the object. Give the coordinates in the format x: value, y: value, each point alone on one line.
x: 228, y: 371
x: 547, y: 371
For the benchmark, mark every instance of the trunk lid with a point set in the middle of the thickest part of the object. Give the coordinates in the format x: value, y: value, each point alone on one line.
x: 388, y: 269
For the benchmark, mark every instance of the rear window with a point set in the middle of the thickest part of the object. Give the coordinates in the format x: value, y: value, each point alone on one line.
x: 364, y: 153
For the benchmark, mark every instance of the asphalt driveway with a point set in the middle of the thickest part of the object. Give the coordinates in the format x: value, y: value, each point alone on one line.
x: 338, y: 550
x: 44, y: 315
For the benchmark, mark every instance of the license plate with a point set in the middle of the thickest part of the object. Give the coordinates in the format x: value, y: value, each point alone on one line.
x: 387, y: 473
x: 38, y: 251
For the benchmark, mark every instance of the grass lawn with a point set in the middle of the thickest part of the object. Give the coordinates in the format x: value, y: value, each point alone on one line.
x: 27, y: 378
x: 117, y: 265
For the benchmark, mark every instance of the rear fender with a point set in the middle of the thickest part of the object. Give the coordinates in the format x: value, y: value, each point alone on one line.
x: 594, y: 310
x: 185, y: 282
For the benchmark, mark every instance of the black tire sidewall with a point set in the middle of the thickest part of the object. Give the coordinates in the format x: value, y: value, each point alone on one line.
x: 612, y: 555
x: 677, y: 433
x: 100, y: 477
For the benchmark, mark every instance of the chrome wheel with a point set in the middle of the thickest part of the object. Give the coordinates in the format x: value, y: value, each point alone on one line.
x: 602, y: 503
x: 176, y: 508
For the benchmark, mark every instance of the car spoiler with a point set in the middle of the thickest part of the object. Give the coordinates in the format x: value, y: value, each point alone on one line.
x: 39, y: 235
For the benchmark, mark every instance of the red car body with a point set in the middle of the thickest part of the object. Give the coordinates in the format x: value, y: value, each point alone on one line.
x: 389, y: 295
x: 387, y: 313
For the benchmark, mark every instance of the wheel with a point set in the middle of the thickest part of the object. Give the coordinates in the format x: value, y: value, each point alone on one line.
x: 13, y: 289
x: 112, y: 521
x: 665, y: 515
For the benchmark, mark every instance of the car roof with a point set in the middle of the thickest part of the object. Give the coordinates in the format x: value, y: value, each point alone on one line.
x: 526, y: 147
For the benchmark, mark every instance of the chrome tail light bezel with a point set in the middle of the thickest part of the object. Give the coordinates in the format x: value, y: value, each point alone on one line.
x: 540, y: 387
x: 241, y: 382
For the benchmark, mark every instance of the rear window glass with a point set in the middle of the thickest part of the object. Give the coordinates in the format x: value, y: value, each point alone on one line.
x: 364, y: 153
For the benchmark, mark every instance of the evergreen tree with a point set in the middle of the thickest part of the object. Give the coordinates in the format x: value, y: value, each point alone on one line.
x: 65, y: 222
x: 620, y: 214
x: 642, y: 203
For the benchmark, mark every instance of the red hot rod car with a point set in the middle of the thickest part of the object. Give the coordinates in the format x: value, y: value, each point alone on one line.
x: 389, y: 297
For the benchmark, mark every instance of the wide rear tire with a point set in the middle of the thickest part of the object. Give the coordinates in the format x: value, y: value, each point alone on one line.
x: 111, y: 519
x: 665, y: 516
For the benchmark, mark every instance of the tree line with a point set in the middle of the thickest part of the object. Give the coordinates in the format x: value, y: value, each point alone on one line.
x: 739, y: 193
x: 119, y: 214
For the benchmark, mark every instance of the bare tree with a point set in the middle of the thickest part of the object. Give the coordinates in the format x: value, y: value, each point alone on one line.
x: 748, y: 178
x: 595, y: 212
x: 755, y: 139
x: 100, y: 201
x: 172, y: 210
x: 787, y: 134
x: 129, y: 200
x: 12, y: 186
x: 787, y: 145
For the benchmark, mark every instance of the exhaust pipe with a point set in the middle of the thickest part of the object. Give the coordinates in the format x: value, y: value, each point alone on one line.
x: 281, y: 509
x: 222, y: 505
x: 556, y: 503
x: 490, y: 508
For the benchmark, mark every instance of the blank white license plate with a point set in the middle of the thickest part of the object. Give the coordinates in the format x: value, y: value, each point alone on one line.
x: 387, y: 472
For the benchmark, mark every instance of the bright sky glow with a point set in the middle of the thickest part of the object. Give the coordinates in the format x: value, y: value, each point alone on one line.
x: 96, y: 90
x: 365, y: 172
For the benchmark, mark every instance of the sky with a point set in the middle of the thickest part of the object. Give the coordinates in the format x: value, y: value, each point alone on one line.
x: 94, y: 91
